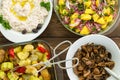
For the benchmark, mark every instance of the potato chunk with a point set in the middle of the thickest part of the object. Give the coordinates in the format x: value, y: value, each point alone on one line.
x: 6, y: 66
x: 45, y: 74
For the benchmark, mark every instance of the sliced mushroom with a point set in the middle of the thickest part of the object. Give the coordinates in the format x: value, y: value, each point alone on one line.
x: 96, y: 71
x: 93, y: 58
x: 97, y: 77
x: 86, y: 73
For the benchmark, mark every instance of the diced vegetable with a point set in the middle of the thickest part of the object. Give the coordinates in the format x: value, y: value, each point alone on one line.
x: 95, y: 17
x: 45, y: 74
x: 74, y: 16
x: 24, y: 62
x: 101, y: 20
x: 87, y: 3
x: 28, y: 47
x: 2, y: 74
x: 40, y: 55
x: 12, y: 76
x: 41, y: 78
x: 21, y: 69
x: 2, y: 55
x: 21, y: 66
x: 11, y: 52
x: 107, y: 11
x: 89, y: 11
x: 34, y: 78
x: 99, y: 12
x: 84, y: 31
x: 104, y: 26
x: 18, y: 49
x: 23, y: 55
x: 31, y: 70
x: 41, y: 49
x: 85, y: 17
x: 61, y: 2
x: 6, y: 66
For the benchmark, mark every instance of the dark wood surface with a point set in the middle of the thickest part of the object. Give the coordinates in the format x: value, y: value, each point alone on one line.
x: 56, y: 33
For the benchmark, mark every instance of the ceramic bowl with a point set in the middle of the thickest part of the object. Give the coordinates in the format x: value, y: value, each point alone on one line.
x: 16, y: 37
x: 109, y: 44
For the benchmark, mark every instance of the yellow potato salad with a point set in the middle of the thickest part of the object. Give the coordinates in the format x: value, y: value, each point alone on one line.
x: 87, y: 16
x: 16, y: 63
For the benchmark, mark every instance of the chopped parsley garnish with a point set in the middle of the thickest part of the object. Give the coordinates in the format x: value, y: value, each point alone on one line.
x: 81, y: 7
x: 85, y: 0
x: 4, y: 23
x: 45, y: 5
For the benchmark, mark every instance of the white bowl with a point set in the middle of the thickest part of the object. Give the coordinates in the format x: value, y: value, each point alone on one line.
x: 97, y: 39
x: 15, y: 36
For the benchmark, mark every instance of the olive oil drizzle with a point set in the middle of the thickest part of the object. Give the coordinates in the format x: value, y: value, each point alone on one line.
x: 22, y: 3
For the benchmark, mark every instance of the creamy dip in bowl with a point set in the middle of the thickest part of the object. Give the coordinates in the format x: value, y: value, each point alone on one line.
x: 30, y: 17
x: 23, y: 15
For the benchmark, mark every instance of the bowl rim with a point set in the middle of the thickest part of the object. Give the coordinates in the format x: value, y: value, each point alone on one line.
x: 88, y: 39
x: 105, y: 32
x: 17, y: 37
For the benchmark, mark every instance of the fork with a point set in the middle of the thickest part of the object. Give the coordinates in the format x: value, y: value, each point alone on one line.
x: 112, y: 73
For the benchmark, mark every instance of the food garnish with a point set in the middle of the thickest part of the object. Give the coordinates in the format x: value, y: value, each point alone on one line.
x: 46, y: 5
x: 4, y: 23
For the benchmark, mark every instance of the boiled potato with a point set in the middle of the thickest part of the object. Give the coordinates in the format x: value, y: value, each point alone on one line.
x: 2, y: 55
x: 24, y: 62
x: 23, y: 55
x: 34, y: 78
x: 40, y: 55
x: 45, y: 74
x: 41, y: 78
x: 28, y: 47
x: 31, y: 70
x: 12, y: 76
x: 2, y: 74
x: 6, y: 66
x: 18, y: 49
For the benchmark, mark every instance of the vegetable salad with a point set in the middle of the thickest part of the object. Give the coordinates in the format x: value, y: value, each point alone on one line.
x: 87, y: 16
x: 16, y: 62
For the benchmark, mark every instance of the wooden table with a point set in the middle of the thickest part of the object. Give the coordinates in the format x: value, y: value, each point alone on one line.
x: 56, y: 33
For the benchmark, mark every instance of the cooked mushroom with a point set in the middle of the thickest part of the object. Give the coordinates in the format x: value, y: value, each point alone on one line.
x: 93, y: 58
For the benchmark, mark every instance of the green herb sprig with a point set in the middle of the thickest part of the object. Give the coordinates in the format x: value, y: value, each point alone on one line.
x: 4, y: 23
x: 45, y: 5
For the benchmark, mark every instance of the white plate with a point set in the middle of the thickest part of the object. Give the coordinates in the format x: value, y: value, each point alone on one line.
x: 97, y: 39
x: 15, y: 36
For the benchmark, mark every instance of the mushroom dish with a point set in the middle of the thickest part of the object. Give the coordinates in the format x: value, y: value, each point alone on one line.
x: 93, y: 58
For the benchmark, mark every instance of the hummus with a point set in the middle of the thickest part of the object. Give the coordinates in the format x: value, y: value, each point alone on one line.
x: 23, y: 14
